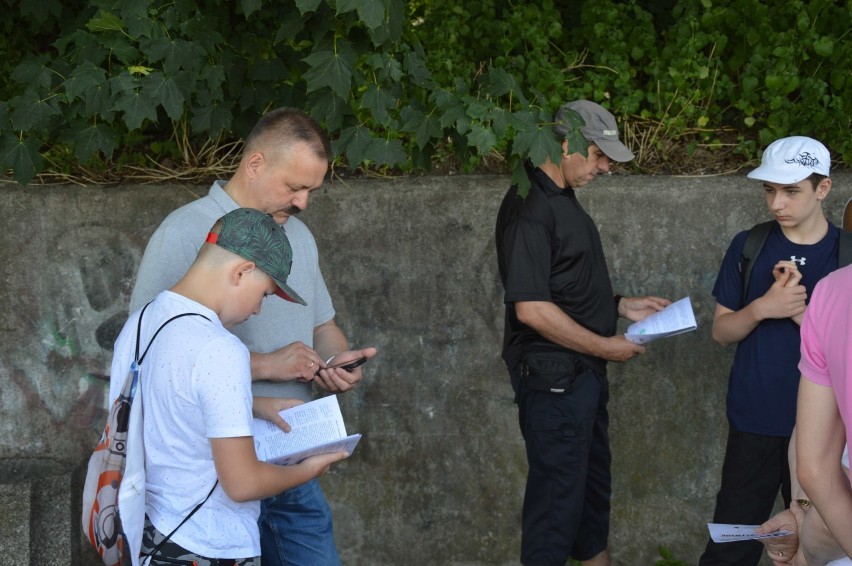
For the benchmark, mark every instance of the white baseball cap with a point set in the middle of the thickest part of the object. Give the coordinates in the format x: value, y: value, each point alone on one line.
x: 789, y: 160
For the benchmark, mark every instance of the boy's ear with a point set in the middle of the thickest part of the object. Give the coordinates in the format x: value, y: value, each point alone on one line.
x: 241, y: 270
x: 823, y: 188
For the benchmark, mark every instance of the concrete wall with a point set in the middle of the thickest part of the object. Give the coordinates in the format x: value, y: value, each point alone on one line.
x: 438, y: 478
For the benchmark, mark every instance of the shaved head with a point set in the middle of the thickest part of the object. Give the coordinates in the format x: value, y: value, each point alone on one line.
x: 279, y: 130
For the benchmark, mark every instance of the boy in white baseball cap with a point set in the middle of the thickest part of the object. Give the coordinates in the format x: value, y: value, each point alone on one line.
x: 761, y: 314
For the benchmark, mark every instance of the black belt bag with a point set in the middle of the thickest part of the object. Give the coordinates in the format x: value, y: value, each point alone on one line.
x: 552, y: 372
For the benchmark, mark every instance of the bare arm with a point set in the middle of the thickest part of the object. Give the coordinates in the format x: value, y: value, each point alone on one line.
x: 245, y: 478
x: 329, y: 340
x: 820, y: 437
x: 548, y: 320
x: 811, y: 537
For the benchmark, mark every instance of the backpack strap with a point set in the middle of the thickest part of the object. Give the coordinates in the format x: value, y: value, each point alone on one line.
x: 754, y: 243
x: 166, y: 538
x: 139, y: 358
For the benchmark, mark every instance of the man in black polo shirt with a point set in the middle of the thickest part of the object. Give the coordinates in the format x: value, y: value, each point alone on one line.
x: 560, y: 328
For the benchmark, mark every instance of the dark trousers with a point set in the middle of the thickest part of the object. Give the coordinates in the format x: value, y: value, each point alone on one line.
x: 755, y: 467
x: 567, y: 499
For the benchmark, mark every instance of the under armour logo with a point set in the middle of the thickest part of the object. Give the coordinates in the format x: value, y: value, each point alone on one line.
x: 800, y: 261
x: 805, y: 159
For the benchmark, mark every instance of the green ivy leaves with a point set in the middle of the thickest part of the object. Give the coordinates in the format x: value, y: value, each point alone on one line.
x: 399, y: 83
x: 133, y: 70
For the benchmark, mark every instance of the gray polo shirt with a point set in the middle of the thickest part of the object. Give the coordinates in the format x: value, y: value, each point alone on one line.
x: 173, y: 248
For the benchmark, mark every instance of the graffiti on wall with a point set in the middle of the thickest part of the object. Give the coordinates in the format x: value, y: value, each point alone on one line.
x: 62, y: 372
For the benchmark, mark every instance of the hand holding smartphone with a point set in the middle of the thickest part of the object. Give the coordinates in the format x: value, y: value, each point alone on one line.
x: 346, y: 366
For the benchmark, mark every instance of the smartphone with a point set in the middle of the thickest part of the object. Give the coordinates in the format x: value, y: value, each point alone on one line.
x: 347, y: 365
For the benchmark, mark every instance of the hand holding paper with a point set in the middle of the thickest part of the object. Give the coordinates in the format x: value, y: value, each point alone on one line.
x: 674, y: 319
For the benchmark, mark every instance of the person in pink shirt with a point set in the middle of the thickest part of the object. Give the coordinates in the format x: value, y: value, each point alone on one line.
x: 824, y: 406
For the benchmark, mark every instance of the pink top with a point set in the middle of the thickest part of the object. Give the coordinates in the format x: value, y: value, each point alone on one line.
x: 827, y: 340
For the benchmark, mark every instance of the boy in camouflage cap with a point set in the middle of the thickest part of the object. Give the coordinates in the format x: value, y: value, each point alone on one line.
x: 198, y: 405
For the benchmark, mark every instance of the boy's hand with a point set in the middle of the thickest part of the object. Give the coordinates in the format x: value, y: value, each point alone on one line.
x: 787, y: 272
x: 318, y: 465
x: 268, y: 408
x: 337, y: 380
x: 784, y: 299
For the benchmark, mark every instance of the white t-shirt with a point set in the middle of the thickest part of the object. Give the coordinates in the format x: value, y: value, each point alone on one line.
x: 195, y: 382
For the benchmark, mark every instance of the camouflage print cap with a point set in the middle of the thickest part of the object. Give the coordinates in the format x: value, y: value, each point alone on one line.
x: 255, y: 236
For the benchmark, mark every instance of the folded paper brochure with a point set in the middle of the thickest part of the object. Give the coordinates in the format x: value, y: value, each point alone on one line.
x: 674, y: 319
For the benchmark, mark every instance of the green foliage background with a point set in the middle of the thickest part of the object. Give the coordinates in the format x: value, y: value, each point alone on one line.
x: 105, y: 85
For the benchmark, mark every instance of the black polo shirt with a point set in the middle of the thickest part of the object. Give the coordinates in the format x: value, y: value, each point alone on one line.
x: 549, y: 249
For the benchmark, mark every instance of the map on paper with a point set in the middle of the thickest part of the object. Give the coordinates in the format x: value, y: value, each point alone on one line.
x: 317, y: 429
x: 674, y: 319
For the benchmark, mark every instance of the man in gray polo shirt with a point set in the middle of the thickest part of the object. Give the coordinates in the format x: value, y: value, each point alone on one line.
x: 285, y: 158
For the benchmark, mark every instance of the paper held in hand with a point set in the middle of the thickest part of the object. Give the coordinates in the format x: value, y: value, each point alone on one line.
x: 674, y: 319
x: 732, y: 533
x: 317, y: 429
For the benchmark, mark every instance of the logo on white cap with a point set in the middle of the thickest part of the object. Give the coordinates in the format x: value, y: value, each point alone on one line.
x: 805, y: 159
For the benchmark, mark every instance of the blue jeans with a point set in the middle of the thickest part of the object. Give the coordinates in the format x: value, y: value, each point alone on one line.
x: 296, y: 530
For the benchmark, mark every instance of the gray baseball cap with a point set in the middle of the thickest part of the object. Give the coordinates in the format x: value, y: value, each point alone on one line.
x: 600, y: 128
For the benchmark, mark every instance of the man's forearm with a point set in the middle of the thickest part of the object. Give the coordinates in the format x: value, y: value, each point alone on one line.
x: 329, y: 340
x: 553, y: 324
x: 261, y: 369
